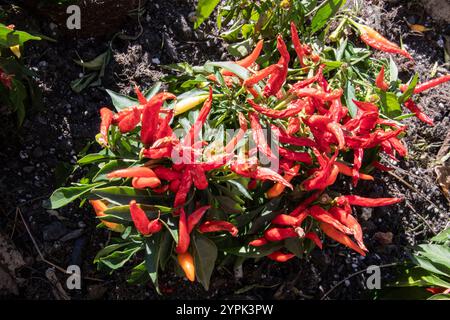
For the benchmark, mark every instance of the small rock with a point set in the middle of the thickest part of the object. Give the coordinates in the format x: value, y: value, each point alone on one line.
x: 96, y: 291
x: 384, y: 238
x: 156, y: 61
x: 366, y: 213
x: 38, y: 152
x: 28, y: 169
x: 54, y: 231
x: 72, y: 235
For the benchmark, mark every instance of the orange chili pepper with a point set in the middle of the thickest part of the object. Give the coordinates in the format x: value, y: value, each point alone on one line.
x: 258, y: 242
x: 375, y: 40
x: 99, y: 208
x: 280, y: 256
x: 186, y: 263
x: 278, y: 188
x: 347, y: 171
x: 249, y: 60
x: 340, y: 237
x: 107, y: 118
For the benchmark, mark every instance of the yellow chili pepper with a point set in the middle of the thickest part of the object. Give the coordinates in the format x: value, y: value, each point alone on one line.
x: 16, y: 50
x: 187, y: 104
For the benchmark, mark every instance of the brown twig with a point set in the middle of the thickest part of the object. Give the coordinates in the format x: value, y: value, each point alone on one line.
x: 41, y: 255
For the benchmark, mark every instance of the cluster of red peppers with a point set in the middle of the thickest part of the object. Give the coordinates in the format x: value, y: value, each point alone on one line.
x: 314, y: 129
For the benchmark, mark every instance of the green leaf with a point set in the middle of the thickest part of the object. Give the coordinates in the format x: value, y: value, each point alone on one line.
x: 117, y: 259
x: 440, y: 296
x: 418, y: 277
x: 442, y: 237
x: 150, y: 92
x: 241, y: 189
x: 204, y: 10
x: 82, y: 83
x: 90, y: 158
x: 152, y: 257
x: 254, y: 252
x: 438, y: 255
x: 241, y: 72
x: 323, y: 15
x: 17, y: 95
x: 63, y: 196
x: 121, y: 101
x: 9, y: 38
x: 393, y: 70
x: 109, y: 249
x: 390, y: 104
x: 205, y: 255
x: 123, y: 195
x: 409, y: 92
x: 349, y: 97
x: 95, y: 64
x: 139, y: 274
x: 107, y: 168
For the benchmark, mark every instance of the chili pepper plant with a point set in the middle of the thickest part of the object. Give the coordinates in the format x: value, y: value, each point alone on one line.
x: 17, y: 88
x: 237, y: 161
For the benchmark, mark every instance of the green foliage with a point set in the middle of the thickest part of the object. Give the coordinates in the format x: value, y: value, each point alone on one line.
x: 17, y: 88
x: 428, y: 269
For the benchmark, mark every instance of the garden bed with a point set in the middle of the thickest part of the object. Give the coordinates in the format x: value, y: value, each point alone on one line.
x: 34, y: 160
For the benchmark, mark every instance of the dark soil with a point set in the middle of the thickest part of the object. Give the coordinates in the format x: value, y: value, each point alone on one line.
x: 33, y: 159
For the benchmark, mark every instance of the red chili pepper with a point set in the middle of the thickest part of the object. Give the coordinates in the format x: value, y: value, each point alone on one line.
x: 258, y: 242
x: 141, y: 221
x: 421, y: 87
x: 367, y: 202
x: 216, y: 225
x: 183, y: 233
x: 277, y: 114
x: 260, y: 75
x: 304, y: 204
x: 419, y: 113
x: 318, y: 94
x: 340, y: 237
x: 258, y: 136
x: 279, y: 256
x: 174, y: 185
x: 195, y: 217
x: 277, y: 79
x: 295, y: 155
x: 347, y: 171
x: 297, y: 45
x: 293, y: 126
x: 349, y: 221
x: 285, y: 137
x: 189, y: 140
x: 358, y: 155
x: 107, y: 118
x: 377, y: 41
x: 322, y: 215
x: 130, y: 120
x: 183, y: 190
x: 398, y: 146
x: 132, y: 172
x: 243, y: 128
x: 308, y: 81
x: 249, y: 60
x: 315, y: 238
x: 379, y: 81
x: 164, y: 129
x: 150, y: 116
x: 321, y: 177
x: 279, y: 234
x: 6, y: 79
x: 142, y: 100
x: 167, y: 174
x: 286, y: 220
x: 199, y: 177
